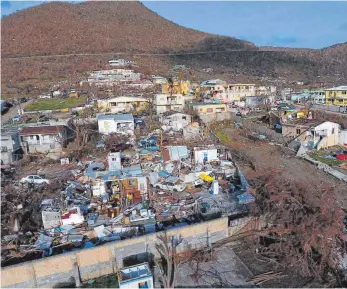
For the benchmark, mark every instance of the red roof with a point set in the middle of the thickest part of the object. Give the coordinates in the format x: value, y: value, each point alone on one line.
x: 54, y: 129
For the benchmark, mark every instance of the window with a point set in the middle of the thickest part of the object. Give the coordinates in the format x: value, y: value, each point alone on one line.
x: 333, y: 131
x: 344, y: 92
x: 184, y: 118
x: 31, y: 137
x: 131, y: 182
x: 37, y: 178
x: 298, y: 131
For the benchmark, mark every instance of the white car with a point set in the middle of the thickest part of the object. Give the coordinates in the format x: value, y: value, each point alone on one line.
x: 34, y: 179
x: 274, y: 108
x: 170, y: 186
x: 45, y: 96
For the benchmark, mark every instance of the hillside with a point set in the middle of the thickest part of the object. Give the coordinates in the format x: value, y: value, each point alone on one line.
x: 107, y: 28
x: 89, y: 27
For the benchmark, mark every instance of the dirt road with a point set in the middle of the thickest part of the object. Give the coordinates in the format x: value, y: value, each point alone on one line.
x: 14, y: 111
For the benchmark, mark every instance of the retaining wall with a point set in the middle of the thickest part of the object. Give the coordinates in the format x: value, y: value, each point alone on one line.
x: 90, y: 263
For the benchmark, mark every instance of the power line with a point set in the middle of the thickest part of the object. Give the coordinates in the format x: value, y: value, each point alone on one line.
x: 136, y: 54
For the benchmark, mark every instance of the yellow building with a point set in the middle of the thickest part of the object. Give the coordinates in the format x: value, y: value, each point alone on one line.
x: 239, y: 90
x: 336, y: 96
x: 179, y: 87
x: 123, y: 103
x: 209, y: 108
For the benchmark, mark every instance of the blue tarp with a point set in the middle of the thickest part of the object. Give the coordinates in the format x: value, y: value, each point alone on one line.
x: 246, y: 198
x: 164, y: 174
x: 43, y: 242
x: 91, y: 170
x: 88, y: 245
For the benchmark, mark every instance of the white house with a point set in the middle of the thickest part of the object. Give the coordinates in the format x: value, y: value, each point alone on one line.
x: 166, y: 102
x: 213, y: 84
x: 138, y: 276
x: 120, y: 62
x: 158, y: 79
x: 114, y: 161
x: 235, y: 92
x: 343, y: 138
x: 202, y: 155
x: 123, y: 103
x: 175, y: 120
x: 48, y: 139
x: 326, y: 134
x: 116, y: 123
x: 10, y: 146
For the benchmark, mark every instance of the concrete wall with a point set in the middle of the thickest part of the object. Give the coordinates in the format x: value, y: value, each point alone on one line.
x: 103, y: 260
x: 220, y: 116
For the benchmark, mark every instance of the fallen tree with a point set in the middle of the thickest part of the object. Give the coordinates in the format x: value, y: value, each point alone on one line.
x: 305, y: 226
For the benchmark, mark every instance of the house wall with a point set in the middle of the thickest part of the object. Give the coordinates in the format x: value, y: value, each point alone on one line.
x: 105, y: 259
x: 10, y: 144
x: 178, y: 87
x: 199, y: 155
x: 336, y: 97
x: 236, y: 91
x: 343, y: 138
x: 136, y: 283
x: 107, y: 126
x: 43, y: 143
x: 293, y: 130
x: 331, y: 131
x: 209, y: 109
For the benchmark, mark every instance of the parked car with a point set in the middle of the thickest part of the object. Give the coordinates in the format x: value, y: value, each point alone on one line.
x: 274, y: 108
x: 120, y: 147
x: 34, y: 179
x: 170, y: 186
x: 138, y: 120
x: 16, y: 118
x: 45, y: 96
x: 23, y: 100
x: 100, y: 144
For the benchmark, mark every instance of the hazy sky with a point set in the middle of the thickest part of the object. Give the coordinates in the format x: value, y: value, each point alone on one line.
x: 290, y: 24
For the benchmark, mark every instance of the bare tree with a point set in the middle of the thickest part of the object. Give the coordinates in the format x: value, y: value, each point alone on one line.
x: 169, y: 259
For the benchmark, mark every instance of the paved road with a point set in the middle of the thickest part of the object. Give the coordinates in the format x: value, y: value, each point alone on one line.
x: 14, y: 111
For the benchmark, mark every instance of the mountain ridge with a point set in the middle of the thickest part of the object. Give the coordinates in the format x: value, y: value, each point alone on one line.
x: 60, y: 28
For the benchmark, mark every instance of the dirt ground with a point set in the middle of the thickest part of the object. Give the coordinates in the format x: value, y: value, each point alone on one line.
x: 290, y: 279
x: 273, y: 158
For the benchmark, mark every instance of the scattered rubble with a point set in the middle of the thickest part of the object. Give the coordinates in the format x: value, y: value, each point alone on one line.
x: 145, y: 187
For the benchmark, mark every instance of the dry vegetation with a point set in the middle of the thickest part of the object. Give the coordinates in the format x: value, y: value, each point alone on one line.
x: 106, y: 28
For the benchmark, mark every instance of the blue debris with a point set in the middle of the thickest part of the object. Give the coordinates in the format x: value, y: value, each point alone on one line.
x: 43, y: 242
x: 246, y: 198
x: 88, y: 244
x: 163, y: 174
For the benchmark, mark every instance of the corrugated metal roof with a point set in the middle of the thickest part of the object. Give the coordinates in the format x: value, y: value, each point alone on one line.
x: 41, y: 130
x: 342, y: 87
x: 116, y: 117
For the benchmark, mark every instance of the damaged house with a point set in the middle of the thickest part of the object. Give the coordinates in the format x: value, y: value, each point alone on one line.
x: 48, y: 140
x: 10, y: 146
x: 175, y: 120
x: 312, y: 134
x: 116, y: 123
